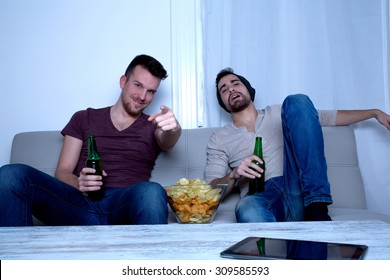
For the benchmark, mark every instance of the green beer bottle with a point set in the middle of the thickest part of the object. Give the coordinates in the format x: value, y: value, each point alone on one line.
x: 257, y: 185
x: 94, y: 162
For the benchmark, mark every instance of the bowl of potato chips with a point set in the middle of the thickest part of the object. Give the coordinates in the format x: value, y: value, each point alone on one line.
x: 194, y: 201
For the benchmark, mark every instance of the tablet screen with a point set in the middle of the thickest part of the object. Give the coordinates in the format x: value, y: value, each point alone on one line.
x: 272, y: 248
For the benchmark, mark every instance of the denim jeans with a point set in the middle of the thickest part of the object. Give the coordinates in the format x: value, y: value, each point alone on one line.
x: 25, y: 191
x: 305, y: 178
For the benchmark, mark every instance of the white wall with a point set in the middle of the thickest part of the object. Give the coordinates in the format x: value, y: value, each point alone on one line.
x: 57, y: 57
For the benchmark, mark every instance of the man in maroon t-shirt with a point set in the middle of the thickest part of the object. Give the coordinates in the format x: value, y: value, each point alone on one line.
x: 128, y: 141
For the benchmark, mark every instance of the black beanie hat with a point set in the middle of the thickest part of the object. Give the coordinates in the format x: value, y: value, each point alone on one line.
x: 246, y: 83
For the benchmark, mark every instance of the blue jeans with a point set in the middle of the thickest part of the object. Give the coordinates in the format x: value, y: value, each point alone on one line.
x: 305, y: 178
x: 25, y: 191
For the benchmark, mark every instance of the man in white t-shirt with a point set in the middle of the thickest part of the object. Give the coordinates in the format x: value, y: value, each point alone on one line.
x: 296, y: 182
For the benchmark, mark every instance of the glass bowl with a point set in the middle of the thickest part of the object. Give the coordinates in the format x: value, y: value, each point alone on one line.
x: 195, y: 203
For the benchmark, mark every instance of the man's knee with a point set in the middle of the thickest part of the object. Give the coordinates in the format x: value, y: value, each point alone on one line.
x: 296, y: 99
x: 151, y: 190
x: 295, y: 103
x: 252, y: 209
x: 12, y: 174
x: 148, y: 195
x: 298, y: 109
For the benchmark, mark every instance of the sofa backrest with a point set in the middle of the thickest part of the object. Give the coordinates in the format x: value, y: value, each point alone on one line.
x: 187, y: 159
x: 41, y: 149
x: 344, y: 173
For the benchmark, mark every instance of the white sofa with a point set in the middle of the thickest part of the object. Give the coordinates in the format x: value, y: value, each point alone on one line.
x: 41, y: 149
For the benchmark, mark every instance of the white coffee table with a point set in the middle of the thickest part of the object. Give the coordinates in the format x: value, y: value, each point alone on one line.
x: 177, y: 241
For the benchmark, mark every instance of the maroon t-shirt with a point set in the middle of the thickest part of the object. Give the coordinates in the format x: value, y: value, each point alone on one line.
x: 128, y: 156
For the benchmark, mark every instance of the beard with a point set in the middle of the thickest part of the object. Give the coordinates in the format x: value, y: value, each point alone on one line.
x: 239, y: 105
x: 132, y: 109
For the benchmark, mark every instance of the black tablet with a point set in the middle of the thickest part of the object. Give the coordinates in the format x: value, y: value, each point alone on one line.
x: 252, y: 248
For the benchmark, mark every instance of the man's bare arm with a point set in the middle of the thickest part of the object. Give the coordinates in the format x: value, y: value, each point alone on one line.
x: 347, y: 117
x: 67, y: 161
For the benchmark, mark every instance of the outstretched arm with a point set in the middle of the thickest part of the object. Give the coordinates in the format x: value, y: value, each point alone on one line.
x: 168, y: 128
x: 347, y: 117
